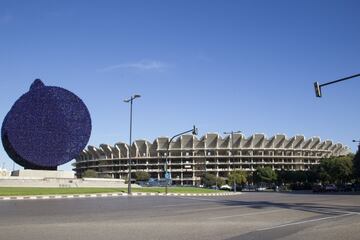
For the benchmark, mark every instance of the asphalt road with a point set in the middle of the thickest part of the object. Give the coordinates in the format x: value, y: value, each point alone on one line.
x: 246, y: 216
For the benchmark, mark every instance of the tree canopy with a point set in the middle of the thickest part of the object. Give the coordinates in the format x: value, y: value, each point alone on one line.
x: 142, y: 176
x: 356, y: 166
x: 336, y: 169
x: 209, y: 180
x: 90, y: 174
x: 237, y: 177
x: 266, y: 175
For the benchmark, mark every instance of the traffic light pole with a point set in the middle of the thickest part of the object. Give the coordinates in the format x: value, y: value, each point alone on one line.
x: 319, y: 86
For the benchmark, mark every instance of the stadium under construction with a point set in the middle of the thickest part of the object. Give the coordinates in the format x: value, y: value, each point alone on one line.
x: 190, y: 157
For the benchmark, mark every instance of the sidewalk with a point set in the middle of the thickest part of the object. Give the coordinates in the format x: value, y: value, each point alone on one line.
x: 100, y: 195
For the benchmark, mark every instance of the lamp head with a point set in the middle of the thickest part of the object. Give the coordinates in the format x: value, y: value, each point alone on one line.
x: 317, y: 89
x: 132, y: 98
x: 195, y: 131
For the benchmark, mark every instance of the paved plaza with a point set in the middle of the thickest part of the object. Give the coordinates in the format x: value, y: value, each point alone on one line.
x: 246, y: 216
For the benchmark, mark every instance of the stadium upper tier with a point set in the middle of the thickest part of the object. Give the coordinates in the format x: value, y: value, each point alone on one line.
x: 189, y: 156
x: 213, y: 141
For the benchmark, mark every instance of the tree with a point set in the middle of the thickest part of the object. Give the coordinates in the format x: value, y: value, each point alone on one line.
x: 142, y: 176
x: 336, y: 169
x: 209, y: 180
x: 90, y: 174
x: 283, y: 176
x: 220, y: 181
x: 356, y: 165
x: 312, y: 175
x: 237, y: 177
x: 298, y: 177
x: 324, y: 170
x: 266, y: 175
x: 344, y: 169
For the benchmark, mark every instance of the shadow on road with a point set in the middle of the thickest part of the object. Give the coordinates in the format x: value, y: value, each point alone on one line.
x: 316, y: 207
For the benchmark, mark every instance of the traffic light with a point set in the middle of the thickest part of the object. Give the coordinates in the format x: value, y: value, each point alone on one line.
x: 317, y: 89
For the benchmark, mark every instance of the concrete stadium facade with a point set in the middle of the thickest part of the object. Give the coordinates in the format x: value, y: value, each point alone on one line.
x: 189, y: 157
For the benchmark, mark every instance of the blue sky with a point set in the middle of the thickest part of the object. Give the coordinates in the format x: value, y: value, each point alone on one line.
x: 222, y: 65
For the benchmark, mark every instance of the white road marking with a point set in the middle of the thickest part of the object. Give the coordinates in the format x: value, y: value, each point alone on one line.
x: 210, y: 208
x: 177, y: 205
x: 306, y: 221
x: 249, y: 214
x: 200, y: 199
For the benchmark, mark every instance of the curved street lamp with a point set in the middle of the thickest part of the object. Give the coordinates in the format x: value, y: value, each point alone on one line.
x: 318, y: 86
x: 130, y: 100
x: 194, y: 131
x: 358, y: 142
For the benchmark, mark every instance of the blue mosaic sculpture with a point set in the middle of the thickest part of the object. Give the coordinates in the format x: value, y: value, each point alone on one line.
x: 46, y: 127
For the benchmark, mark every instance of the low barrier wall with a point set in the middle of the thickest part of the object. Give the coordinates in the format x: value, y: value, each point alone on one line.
x: 62, y: 182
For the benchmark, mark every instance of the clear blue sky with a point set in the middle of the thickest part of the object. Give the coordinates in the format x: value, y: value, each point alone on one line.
x: 222, y: 65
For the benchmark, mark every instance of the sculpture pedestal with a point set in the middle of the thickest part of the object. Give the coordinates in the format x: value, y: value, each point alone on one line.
x: 57, y: 179
x: 42, y: 174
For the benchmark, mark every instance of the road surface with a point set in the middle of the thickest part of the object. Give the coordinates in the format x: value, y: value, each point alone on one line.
x: 246, y: 216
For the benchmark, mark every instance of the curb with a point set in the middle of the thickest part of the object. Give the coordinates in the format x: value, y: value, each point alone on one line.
x: 101, y: 195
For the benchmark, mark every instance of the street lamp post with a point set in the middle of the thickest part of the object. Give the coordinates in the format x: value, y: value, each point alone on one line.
x: 194, y: 131
x: 358, y: 142
x: 130, y: 100
x: 232, y: 148
x: 319, y: 86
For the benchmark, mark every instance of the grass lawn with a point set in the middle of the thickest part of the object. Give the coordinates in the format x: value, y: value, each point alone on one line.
x: 26, y: 191
x: 174, y: 190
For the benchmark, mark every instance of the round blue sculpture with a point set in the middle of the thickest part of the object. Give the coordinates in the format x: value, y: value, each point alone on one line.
x: 46, y: 127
